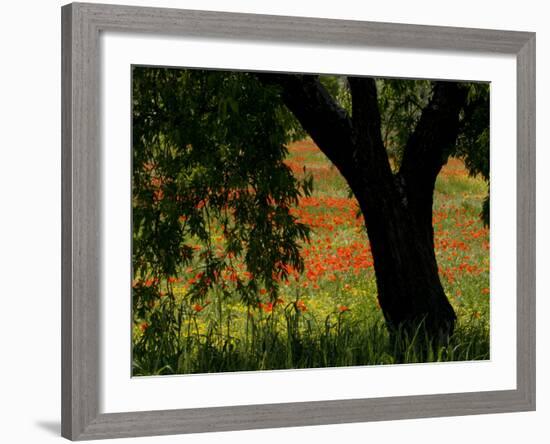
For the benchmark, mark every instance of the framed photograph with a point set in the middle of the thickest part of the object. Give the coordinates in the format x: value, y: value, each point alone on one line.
x: 278, y: 221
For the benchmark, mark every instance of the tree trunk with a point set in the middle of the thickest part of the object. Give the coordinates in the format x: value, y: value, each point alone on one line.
x: 398, y: 212
x: 410, y: 293
x: 397, y: 208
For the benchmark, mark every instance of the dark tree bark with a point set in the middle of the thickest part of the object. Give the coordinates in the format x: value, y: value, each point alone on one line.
x: 397, y: 208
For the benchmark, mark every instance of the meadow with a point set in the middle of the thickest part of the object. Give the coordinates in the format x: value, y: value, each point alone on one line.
x: 328, y: 315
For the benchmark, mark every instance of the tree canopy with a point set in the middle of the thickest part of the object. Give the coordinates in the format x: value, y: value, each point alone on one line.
x: 208, y: 164
x: 208, y: 152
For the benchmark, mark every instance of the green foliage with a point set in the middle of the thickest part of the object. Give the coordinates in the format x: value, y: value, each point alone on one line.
x: 208, y: 151
x: 288, y: 338
x: 400, y: 103
x: 473, y: 143
x: 338, y: 88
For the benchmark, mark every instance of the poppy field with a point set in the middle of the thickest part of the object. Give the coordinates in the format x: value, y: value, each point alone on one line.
x: 327, y: 314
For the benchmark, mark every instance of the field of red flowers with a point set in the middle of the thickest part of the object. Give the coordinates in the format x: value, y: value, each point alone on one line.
x: 340, y: 252
x: 329, y: 315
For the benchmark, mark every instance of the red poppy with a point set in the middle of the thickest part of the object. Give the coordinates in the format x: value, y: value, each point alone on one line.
x: 300, y: 305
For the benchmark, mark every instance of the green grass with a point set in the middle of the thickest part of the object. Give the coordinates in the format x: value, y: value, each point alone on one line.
x: 328, y: 316
x: 292, y: 339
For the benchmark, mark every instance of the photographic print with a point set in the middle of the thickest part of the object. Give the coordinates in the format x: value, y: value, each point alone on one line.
x: 289, y: 221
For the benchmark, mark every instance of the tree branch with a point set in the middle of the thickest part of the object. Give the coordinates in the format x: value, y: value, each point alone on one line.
x: 429, y: 146
x: 370, y: 152
x: 324, y: 120
x: 435, y: 134
x: 365, y: 112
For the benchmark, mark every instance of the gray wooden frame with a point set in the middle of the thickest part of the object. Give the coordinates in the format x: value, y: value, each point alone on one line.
x: 81, y: 168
